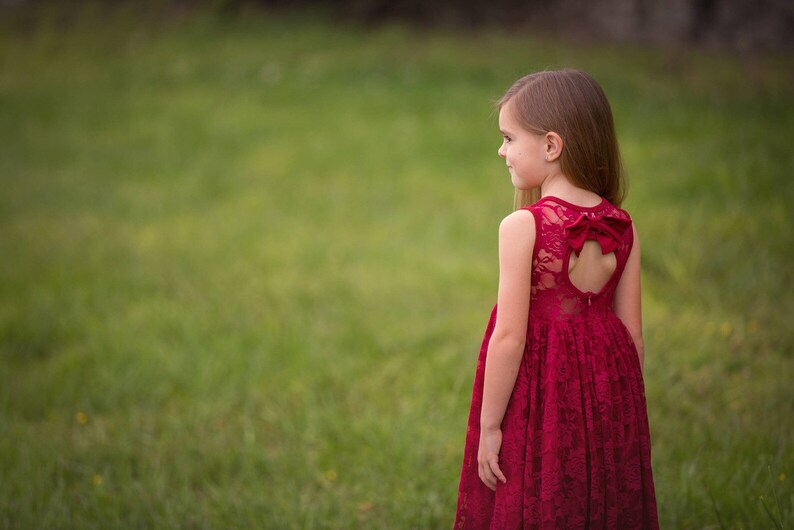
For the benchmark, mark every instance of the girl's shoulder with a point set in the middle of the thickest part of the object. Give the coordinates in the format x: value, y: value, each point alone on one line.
x: 517, y: 234
x: 616, y: 211
x: 517, y: 219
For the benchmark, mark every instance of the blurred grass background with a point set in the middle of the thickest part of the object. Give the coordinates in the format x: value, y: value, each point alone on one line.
x: 249, y: 259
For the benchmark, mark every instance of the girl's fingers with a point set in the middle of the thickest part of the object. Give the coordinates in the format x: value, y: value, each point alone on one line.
x: 487, y: 476
x: 494, y: 467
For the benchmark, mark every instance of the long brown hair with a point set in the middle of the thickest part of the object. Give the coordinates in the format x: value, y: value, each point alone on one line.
x: 572, y: 104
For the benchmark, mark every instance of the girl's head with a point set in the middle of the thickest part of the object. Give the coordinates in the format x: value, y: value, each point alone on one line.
x: 571, y: 104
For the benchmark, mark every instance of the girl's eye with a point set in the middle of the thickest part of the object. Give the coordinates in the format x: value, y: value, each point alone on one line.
x: 507, y: 139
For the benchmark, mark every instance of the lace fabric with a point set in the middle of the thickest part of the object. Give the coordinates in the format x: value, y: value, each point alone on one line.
x: 576, y: 443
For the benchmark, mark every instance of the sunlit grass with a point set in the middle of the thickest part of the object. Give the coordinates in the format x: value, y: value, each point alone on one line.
x: 249, y: 262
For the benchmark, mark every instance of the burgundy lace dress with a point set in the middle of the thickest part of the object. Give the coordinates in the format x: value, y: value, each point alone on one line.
x: 576, y: 448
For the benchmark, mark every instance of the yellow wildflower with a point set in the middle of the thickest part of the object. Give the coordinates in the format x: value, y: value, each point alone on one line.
x: 82, y: 418
x: 725, y: 328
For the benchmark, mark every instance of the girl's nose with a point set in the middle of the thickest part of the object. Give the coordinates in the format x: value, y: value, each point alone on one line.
x: 501, y: 150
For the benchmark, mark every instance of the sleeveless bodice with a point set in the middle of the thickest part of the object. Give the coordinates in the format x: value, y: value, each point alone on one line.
x: 560, y: 226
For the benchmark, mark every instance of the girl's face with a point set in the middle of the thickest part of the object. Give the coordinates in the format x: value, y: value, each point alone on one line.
x: 525, y: 152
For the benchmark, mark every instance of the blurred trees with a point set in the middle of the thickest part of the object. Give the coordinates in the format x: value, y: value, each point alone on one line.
x: 732, y: 24
x: 737, y: 24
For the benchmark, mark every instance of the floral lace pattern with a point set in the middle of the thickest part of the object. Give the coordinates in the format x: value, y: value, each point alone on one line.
x: 576, y: 444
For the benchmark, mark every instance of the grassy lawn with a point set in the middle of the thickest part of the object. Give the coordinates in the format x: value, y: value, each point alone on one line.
x: 248, y: 263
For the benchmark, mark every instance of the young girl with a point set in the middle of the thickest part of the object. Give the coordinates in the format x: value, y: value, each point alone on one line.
x: 558, y: 430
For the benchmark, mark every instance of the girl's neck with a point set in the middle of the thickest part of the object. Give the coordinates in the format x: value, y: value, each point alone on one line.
x: 557, y: 185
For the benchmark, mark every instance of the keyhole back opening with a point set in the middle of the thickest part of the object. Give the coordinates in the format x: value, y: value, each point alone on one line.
x: 591, y: 270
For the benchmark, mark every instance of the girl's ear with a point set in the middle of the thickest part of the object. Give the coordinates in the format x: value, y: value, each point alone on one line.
x: 554, y: 146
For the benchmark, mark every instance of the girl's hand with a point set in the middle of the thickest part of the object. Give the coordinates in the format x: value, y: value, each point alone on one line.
x: 488, y: 457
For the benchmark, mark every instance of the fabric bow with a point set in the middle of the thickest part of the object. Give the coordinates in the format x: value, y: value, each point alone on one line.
x: 606, y: 229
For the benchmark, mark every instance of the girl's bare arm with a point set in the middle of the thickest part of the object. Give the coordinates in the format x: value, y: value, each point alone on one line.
x: 506, y: 346
x: 627, y: 303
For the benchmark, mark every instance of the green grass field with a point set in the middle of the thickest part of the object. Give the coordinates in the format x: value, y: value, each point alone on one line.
x: 248, y: 262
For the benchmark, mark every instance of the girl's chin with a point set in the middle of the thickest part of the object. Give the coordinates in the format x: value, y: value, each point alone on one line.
x: 518, y: 183
x: 515, y: 181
